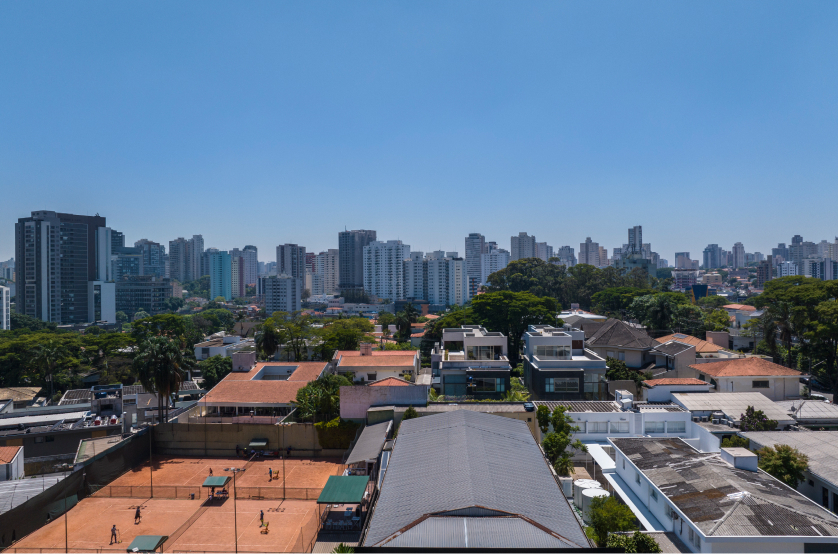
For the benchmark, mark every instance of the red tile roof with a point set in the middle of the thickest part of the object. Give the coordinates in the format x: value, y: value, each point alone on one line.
x: 742, y: 307
x: 674, y: 381
x: 701, y: 346
x: 390, y: 382
x: 8, y: 453
x: 357, y: 353
x: 239, y: 387
x: 745, y: 367
x: 383, y: 360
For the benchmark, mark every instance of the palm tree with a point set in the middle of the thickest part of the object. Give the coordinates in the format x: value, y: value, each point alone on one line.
x: 240, y: 317
x: 160, y: 365
x: 47, y: 356
x: 268, y: 340
x: 411, y: 312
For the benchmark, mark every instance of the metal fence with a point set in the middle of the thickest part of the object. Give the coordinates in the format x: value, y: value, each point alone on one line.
x: 199, y: 493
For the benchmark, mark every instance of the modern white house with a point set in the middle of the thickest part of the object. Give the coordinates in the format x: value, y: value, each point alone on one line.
x: 471, y: 361
x: 751, y: 374
x: 5, y: 309
x: 718, y: 502
x: 820, y: 480
x: 367, y: 364
x: 558, y: 366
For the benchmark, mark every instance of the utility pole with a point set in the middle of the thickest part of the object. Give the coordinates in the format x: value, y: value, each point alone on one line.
x: 235, y: 515
x: 66, y: 534
x: 150, y: 463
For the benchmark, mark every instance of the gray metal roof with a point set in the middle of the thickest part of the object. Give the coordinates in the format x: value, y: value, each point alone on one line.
x: 672, y: 348
x: 580, y: 406
x: 820, y: 446
x: 370, y: 443
x: 810, y: 409
x: 721, y: 500
x: 732, y: 404
x: 462, y: 459
x: 485, y: 407
x: 474, y: 532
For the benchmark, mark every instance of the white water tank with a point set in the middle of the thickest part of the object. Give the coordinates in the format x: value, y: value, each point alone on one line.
x: 587, y: 496
x: 581, y: 485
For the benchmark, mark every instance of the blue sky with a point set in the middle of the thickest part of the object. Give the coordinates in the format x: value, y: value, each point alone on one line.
x: 272, y: 122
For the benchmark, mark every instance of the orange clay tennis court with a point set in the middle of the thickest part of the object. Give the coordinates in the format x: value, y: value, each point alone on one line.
x: 192, y: 526
x: 89, y: 523
x: 190, y: 473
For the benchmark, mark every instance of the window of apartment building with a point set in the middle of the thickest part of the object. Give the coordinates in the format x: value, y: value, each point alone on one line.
x: 637, y: 477
x: 653, y: 493
x: 621, y: 356
x: 581, y: 425
x: 760, y: 385
x: 488, y: 384
x: 561, y: 384
x: 667, y: 510
x: 552, y: 352
x: 676, y: 426
x: 655, y: 427
x: 609, y: 353
x: 597, y: 426
x: 619, y: 426
x: 372, y: 376
x: 592, y: 381
x: 624, y: 463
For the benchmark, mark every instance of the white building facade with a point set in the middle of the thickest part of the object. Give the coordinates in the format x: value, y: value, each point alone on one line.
x: 384, y: 268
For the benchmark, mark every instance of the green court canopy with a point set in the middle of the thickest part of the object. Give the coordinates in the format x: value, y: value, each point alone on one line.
x: 258, y: 443
x: 147, y: 543
x: 344, y: 489
x: 216, y: 481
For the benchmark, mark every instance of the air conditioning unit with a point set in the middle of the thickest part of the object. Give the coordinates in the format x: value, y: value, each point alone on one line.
x: 696, y: 419
x: 704, y: 418
x: 716, y: 421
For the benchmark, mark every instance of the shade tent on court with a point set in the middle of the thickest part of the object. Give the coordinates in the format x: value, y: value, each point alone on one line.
x: 258, y: 443
x: 219, y: 481
x: 344, y: 489
x: 147, y: 543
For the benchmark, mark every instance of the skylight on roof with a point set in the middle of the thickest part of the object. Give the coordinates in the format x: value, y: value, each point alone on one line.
x: 679, y: 336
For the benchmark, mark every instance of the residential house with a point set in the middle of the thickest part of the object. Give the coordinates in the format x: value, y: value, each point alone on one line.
x: 674, y: 355
x: 557, y: 366
x: 816, y: 415
x: 11, y: 463
x: 625, y: 342
x: 751, y: 374
x: 367, y: 364
x: 265, y: 390
x: 471, y: 361
x: 222, y: 344
x: 355, y: 401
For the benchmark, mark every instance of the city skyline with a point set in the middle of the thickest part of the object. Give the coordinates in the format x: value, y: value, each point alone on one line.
x: 530, y: 112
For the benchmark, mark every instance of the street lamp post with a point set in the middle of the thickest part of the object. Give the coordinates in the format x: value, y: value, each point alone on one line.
x: 235, y: 515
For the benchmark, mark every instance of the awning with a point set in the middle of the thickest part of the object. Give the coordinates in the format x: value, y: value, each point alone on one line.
x: 258, y: 443
x: 370, y: 443
x: 219, y: 481
x: 147, y: 543
x: 344, y: 489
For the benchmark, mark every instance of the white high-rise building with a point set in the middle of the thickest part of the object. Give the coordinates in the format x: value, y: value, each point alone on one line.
x: 416, y: 276
x: 282, y: 293
x: 589, y: 253
x: 326, y: 264
x: 785, y: 269
x: 5, y: 309
x: 543, y: 251
x: 447, y: 279
x: 178, y: 267
x: 384, y: 269
x: 491, y: 262
x: 567, y: 256
x: 523, y: 246
x: 738, y: 255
